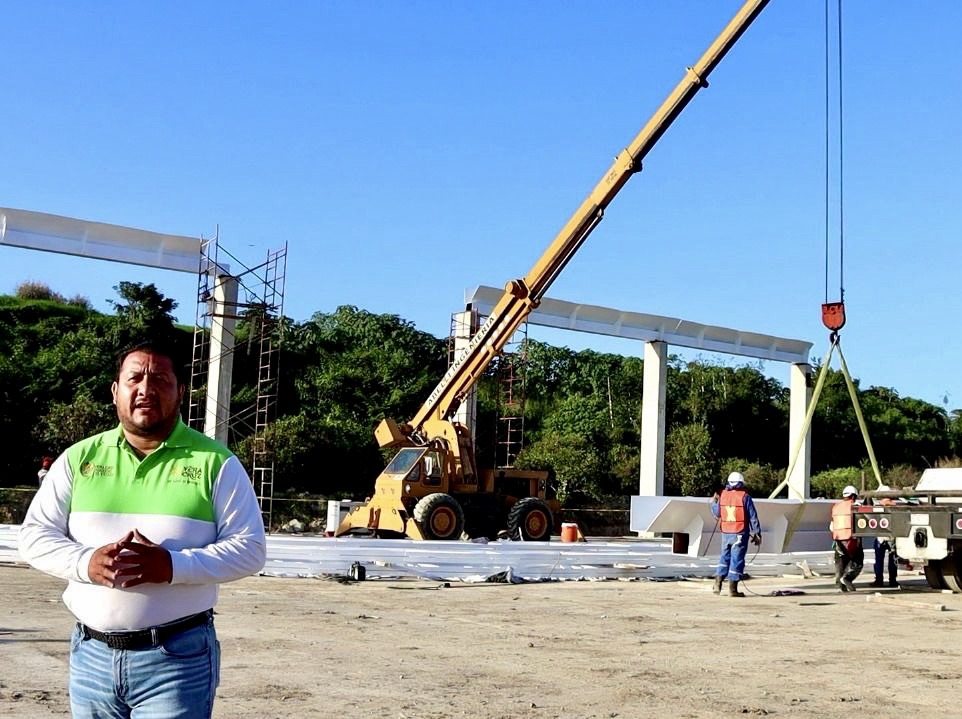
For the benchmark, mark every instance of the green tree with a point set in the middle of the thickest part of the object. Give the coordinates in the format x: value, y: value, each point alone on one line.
x: 745, y: 412
x: 31, y: 290
x: 905, y: 430
x: 836, y: 438
x: 625, y: 462
x: 830, y: 483
x: 330, y: 457
x: 143, y: 310
x: 48, y: 352
x: 351, y: 369
x: 691, y: 468
x: 955, y: 432
x: 577, y: 466
x: 68, y: 422
x: 760, y: 479
x: 369, y: 366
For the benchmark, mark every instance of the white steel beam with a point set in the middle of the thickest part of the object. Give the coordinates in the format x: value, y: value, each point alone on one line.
x: 98, y: 240
x: 657, y: 332
x: 788, y: 525
x: 651, y: 328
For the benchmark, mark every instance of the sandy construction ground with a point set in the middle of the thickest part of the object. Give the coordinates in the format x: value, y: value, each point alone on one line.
x: 421, y: 650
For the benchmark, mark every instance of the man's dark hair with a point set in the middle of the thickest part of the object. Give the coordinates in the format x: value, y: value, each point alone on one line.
x: 156, y: 346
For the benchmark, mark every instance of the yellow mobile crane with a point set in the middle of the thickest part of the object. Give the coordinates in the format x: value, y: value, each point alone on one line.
x: 432, y: 488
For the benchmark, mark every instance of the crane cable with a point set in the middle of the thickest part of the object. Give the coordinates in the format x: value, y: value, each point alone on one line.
x: 833, y: 313
x: 828, y: 156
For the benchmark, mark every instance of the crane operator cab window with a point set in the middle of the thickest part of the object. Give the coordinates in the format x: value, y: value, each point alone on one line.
x: 432, y: 469
x: 403, y: 462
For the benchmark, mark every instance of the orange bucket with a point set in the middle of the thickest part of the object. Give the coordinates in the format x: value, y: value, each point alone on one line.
x: 569, y: 532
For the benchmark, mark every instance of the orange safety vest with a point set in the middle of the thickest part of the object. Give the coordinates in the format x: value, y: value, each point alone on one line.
x: 731, y: 507
x: 842, y: 520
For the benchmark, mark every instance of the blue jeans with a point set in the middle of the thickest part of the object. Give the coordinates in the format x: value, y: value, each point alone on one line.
x: 881, y: 547
x: 731, y: 563
x: 176, y: 680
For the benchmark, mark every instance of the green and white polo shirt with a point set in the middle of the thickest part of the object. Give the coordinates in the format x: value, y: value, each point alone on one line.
x: 190, y: 495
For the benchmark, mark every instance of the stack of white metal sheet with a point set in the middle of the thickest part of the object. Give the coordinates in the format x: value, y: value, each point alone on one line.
x: 511, y: 561
x: 314, y: 556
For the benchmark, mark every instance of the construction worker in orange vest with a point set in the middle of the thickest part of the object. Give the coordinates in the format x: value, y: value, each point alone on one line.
x: 738, y: 521
x: 849, y: 556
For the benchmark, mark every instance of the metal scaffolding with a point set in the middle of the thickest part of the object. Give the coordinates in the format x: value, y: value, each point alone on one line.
x: 508, y: 369
x: 261, y: 312
x: 271, y: 327
x: 206, y: 276
x: 511, y: 375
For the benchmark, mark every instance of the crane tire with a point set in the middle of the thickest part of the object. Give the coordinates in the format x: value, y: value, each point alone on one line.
x: 439, y: 516
x: 530, y: 520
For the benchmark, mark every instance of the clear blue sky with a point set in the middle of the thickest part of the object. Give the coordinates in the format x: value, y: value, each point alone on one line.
x: 407, y: 151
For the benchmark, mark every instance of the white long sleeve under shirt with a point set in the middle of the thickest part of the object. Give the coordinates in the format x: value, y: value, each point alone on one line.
x: 190, y: 495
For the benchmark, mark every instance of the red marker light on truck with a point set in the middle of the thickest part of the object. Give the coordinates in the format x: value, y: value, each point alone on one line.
x: 872, y: 523
x: 958, y: 523
x: 883, y: 523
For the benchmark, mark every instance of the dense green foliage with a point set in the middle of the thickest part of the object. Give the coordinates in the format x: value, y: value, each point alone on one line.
x: 344, y: 371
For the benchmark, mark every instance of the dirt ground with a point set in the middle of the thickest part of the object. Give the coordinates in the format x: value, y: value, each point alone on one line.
x: 411, y: 649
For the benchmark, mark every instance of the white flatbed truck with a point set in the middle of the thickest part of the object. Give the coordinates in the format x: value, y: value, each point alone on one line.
x: 925, y: 523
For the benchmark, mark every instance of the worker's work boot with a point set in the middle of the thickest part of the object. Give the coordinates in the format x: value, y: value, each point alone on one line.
x: 877, y: 583
x: 716, y: 588
x: 733, y: 590
x: 847, y: 584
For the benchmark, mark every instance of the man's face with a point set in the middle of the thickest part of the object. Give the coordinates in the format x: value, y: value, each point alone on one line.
x: 147, y: 395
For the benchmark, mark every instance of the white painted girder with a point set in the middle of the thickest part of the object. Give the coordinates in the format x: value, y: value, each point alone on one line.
x: 788, y: 525
x: 650, y: 328
x: 98, y: 240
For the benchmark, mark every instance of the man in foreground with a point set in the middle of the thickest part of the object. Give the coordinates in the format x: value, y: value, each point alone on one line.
x: 144, y: 521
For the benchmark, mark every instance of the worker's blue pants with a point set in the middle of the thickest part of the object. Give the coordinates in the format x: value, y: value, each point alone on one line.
x: 881, y: 547
x: 731, y: 563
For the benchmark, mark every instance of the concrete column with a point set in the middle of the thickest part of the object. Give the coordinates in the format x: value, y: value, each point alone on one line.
x: 651, y: 480
x: 800, y: 386
x: 465, y: 325
x: 220, y: 367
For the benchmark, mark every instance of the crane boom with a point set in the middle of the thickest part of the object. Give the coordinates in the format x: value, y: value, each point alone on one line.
x: 522, y: 296
x: 432, y: 489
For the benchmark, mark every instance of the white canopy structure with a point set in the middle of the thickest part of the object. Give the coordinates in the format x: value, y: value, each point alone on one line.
x: 791, y: 524
x: 98, y: 240
x: 650, y: 328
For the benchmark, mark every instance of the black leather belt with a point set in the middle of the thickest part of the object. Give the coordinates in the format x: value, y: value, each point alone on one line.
x: 147, y: 638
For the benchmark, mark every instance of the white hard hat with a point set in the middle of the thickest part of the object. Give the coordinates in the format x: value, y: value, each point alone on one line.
x: 736, y: 478
x: 850, y: 491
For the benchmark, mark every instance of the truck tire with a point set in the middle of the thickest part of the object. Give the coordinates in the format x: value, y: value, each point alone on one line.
x: 530, y: 520
x: 933, y: 574
x: 440, y: 516
x: 952, y: 572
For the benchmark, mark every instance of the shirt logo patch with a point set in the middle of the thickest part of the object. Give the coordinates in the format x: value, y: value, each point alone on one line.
x: 187, y: 475
x: 89, y: 469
